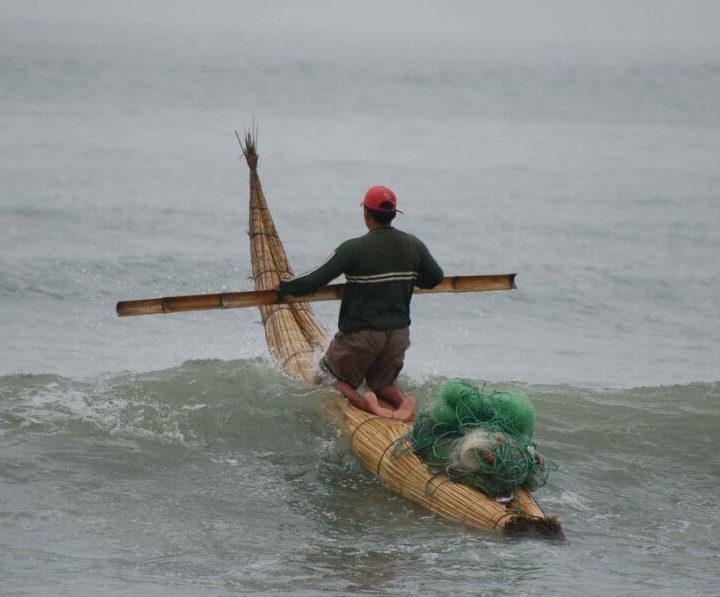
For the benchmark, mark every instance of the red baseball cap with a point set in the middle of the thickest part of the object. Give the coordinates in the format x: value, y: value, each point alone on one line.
x: 381, y: 198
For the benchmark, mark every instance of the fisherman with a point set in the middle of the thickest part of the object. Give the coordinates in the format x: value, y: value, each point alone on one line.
x: 381, y: 270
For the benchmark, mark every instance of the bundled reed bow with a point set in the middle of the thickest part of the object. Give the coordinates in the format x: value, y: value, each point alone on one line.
x: 292, y: 333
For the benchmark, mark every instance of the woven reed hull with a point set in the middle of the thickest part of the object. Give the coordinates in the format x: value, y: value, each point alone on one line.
x: 294, y: 338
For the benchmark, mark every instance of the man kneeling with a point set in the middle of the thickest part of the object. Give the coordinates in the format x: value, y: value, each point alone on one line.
x: 381, y: 269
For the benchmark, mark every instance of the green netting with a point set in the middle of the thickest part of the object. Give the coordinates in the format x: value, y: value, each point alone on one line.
x: 482, y: 439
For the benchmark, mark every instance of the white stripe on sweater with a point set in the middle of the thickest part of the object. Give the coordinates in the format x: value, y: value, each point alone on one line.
x: 388, y: 277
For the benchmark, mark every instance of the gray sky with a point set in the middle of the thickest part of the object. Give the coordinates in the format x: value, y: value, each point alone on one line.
x: 625, y: 22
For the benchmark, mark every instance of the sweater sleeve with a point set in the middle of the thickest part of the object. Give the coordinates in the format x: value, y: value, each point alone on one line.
x: 309, y: 282
x: 430, y: 274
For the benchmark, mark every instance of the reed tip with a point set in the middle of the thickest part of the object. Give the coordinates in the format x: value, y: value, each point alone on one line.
x: 248, y: 144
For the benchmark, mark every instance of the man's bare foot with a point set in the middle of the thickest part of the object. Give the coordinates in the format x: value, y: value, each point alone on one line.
x: 407, y: 410
x: 375, y: 408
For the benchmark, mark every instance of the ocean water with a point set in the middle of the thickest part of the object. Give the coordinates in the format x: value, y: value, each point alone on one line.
x: 167, y: 455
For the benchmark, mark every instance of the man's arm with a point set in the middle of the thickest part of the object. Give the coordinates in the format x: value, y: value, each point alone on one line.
x: 430, y: 274
x: 314, y: 279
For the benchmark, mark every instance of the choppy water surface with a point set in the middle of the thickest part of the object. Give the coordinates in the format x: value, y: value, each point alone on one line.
x: 222, y: 475
x: 166, y: 455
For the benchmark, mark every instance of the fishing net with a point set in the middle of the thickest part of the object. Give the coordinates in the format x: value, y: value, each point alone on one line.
x: 481, y: 439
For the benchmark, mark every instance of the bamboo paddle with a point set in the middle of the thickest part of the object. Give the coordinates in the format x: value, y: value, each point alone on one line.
x: 256, y: 298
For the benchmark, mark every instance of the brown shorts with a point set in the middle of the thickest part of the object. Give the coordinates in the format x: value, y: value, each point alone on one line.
x: 374, y: 356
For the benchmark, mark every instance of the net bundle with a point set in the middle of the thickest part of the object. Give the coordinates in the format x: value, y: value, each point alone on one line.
x: 481, y: 439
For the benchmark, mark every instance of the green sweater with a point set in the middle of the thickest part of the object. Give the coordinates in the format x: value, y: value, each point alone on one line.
x: 381, y: 269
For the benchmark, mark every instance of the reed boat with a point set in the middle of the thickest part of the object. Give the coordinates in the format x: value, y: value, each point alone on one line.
x: 295, y: 337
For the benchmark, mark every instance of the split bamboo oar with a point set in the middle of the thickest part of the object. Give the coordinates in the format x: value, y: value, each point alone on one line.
x: 256, y: 298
